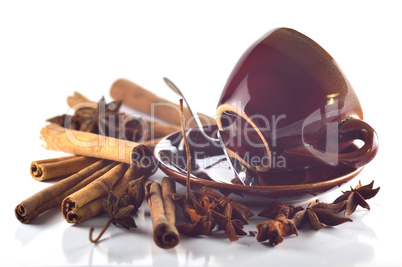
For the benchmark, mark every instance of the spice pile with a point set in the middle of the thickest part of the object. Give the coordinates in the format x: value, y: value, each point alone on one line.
x: 112, y: 164
x: 287, y: 219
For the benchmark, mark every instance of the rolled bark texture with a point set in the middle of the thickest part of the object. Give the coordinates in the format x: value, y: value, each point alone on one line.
x: 53, y: 195
x: 58, y: 138
x: 46, y: 169
x: 164, y: 232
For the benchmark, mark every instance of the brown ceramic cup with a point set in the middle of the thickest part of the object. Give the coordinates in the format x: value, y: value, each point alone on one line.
x: 288, y: 106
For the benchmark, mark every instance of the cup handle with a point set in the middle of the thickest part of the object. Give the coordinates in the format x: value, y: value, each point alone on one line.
x: 356, y: 129
x: 350, y: 130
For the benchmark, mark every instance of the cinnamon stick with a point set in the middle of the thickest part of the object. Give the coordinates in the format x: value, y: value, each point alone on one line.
x: 77, y: 99
x: 46, y: 169
x: 165, y: 233
x: 59, y: 138
x: 143, y: 129
x: 85, y: 212
x: 138, y: 98
x: 59, y: 199
x: 96, y: 206
x: 97, y: 189
x: 53, y: 195
x: 169, y: 187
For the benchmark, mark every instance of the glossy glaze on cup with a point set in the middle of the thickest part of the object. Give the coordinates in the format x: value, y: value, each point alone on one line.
x: 287, y: 78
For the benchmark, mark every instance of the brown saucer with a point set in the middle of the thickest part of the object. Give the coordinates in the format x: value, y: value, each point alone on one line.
x: 171, y: 155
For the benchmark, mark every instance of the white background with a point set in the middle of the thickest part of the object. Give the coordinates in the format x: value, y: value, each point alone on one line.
x: 49, y: 49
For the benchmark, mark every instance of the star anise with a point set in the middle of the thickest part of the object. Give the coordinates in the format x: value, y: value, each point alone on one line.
x: 225, y: 205
x: 276, y: 208
x: 275, y: 230
x: 232, y: 228
x: 119, y: 212
x: 135, y: 193
x: 208, y: 209
x: 234, y: 210
x: 357, y: 197
x: 198, y: 214
x: 319, y: 214
x: 221, y: 214
x: 104, y: 119
x: 280, y: 226
x: 61, y: 120
x: 288, y: 219
x: 203, y: 226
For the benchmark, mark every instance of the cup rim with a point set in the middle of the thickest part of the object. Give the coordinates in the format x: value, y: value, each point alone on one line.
x: 227, y: 107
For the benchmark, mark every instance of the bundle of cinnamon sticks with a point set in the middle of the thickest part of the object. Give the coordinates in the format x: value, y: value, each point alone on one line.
x: 108, y: 151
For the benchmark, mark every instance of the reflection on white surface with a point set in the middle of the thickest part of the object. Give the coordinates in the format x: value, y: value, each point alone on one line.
x: 52, y: 242
x: 345, y: 245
